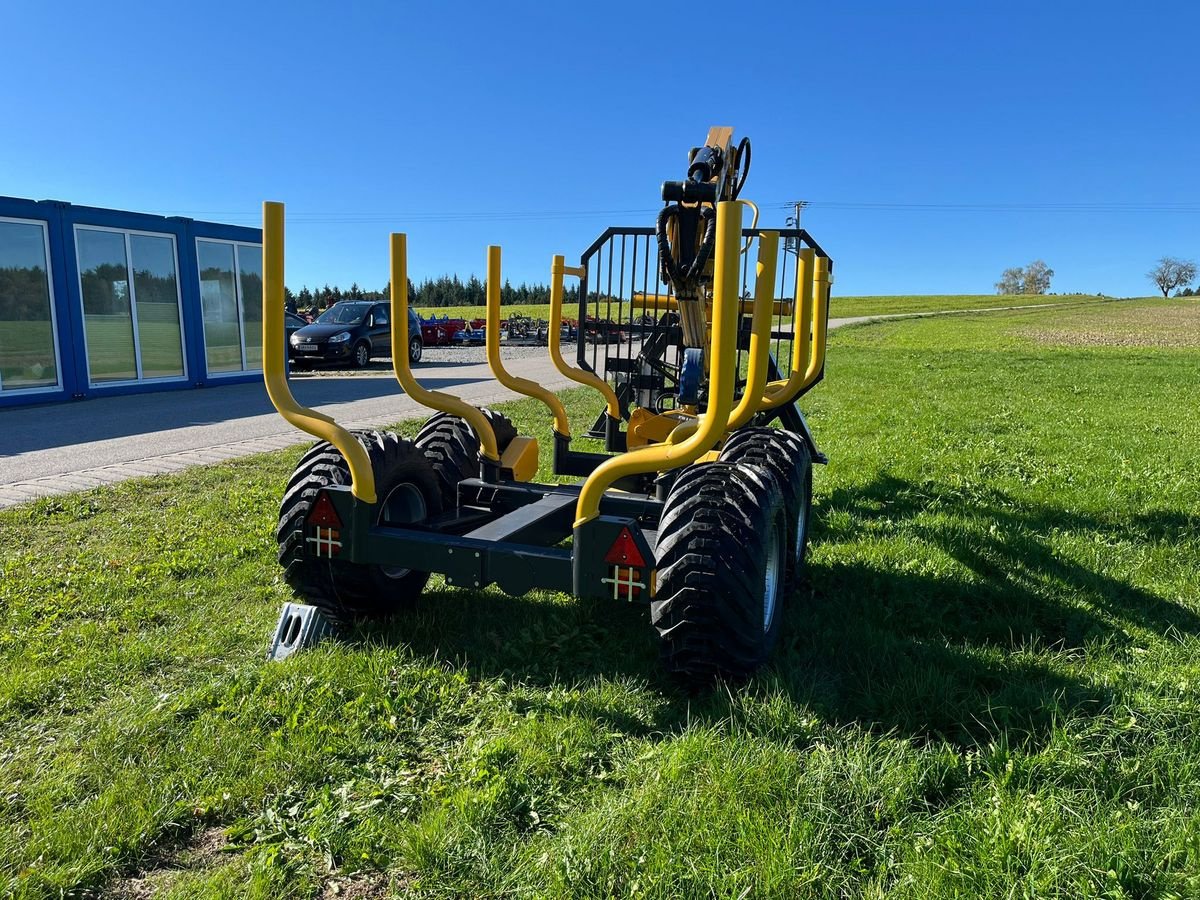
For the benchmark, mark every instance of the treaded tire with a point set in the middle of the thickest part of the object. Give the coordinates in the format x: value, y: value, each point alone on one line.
x: 342, y: 590
x: 722, y: 540
x: 786, y: 455
x: 362, y: 355
x: 452, y: 448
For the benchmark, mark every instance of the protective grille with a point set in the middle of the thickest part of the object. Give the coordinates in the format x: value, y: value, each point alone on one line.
x: 639, y: 348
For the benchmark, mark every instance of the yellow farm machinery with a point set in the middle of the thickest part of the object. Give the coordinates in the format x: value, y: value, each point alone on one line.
x: 698, y: 335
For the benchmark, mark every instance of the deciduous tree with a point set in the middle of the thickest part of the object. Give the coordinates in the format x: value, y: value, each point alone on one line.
x: 1171, y: 273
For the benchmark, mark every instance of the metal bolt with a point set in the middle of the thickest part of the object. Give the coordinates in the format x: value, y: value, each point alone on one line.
x: 477, y: 555
x: 450, y: 551
x: 477, y: 584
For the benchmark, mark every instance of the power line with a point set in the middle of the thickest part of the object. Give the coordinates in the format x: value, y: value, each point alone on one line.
x: 329, y: 217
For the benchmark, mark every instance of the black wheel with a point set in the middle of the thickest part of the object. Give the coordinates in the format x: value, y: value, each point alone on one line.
x: 452, y: 448
x: 408, y: 492
x: 415, y: 349
x: 362, y: 355
x: 786, y: 455
x: 722, y: 547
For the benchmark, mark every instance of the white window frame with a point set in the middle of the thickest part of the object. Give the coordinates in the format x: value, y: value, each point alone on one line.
x: 237, y: 293
x: 58, y: 385
x: 137, y: 341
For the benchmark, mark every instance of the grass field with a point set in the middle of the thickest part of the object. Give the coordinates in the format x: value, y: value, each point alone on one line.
x: 874, y: 306
x: 839, y: 306
x: 988, y: 683
x: 532, y: 310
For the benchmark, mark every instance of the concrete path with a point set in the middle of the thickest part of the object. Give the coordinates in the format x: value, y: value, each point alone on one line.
x: 56, y: 449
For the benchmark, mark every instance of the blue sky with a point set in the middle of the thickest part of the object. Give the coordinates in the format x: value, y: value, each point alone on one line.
x: 938, y: 143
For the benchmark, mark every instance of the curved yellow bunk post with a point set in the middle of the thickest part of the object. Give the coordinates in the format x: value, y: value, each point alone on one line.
x: 760, y: 341
x: 663, y: 457
x: 816, y: 361
x: 559, y: 268
x: 760, y: 331
x: 562, y: 424
x: 779, y: 392
x: 446, y: 403
x: 274, y: 348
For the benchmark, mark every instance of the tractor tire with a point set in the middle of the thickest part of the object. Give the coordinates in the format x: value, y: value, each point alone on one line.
x: 452, y: 448
x: 722, y: 543
x: 408, y: 492
x: 787, y: 457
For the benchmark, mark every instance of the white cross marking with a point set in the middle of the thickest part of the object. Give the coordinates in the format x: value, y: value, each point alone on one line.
x: 325, y: 540
x: 618, y: 582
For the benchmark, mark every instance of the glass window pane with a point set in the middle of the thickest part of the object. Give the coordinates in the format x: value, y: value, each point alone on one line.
x: 26, y: 334
x: 156, y: 294
x: 250, y: 266
x: 222, y: 336
x: 107, y: 312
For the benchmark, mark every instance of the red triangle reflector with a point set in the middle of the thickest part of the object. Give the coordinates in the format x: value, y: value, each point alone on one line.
x: 323, y: 513
x: 624, y: 551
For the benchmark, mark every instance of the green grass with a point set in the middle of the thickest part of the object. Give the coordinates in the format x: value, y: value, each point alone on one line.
x: 987, y: 686
x: 839, y: 306
x: 875, y: 306
x: 533, y: 310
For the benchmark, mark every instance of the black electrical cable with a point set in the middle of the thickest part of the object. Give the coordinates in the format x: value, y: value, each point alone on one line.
x: 741, y: 161
x: 670, y: 272
x: 709, y: 215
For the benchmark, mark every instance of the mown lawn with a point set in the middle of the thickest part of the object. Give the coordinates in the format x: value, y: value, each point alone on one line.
x: 988, y: 684
x: 875, y: 306
x: 838, y: 306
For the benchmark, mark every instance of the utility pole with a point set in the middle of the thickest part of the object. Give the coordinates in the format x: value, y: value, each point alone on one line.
x: 792, y: 244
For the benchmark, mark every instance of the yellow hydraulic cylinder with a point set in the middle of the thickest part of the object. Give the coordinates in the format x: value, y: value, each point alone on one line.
x: 559, y: 268
x: 446, y: 403
x: 760, y: 331
x: 780, y: 392
x: 362, y: 479
x: 663, y: 457
x: 562, y: 424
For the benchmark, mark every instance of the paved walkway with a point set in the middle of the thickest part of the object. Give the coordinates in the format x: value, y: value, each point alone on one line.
x: 57, y: 449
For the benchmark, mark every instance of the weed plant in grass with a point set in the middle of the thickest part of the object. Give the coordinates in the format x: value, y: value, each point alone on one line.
x: 987, y: 683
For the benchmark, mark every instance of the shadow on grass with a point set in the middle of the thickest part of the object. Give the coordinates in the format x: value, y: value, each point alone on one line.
x: 990, y: 648
x: 994, y: 647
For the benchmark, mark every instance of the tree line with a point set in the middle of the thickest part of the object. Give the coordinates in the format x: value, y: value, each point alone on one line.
x: 448, y: 290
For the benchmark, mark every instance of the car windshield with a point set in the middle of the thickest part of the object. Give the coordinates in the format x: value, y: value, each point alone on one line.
x: 344, y: 314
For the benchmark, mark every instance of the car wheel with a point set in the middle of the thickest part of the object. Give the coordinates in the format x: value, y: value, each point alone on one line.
x: 362, y: 355
x: 415, y: 348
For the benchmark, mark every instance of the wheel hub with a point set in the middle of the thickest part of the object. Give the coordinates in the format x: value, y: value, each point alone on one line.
x: 404, y: 505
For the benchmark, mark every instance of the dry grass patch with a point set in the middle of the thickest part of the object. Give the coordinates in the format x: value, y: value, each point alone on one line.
x: 1174, y: 324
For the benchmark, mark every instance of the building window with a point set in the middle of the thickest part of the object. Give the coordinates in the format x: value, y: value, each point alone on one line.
x: 231, y: 297
x: 131, y: 305
x: 28, y: 331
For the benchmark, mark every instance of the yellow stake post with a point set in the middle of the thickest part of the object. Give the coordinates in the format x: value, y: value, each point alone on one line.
x: 562, y: 424
x: 319, y: 425
x: 760, y: 331
x: 779, y: 392
x: 559, y: 268
x: 446, y: 403
x: 663, y: 457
